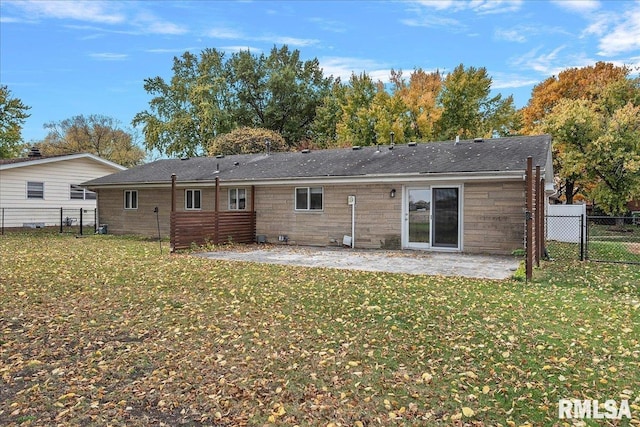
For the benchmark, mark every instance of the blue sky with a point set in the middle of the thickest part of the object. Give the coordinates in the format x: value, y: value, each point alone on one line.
x: 65, y: 58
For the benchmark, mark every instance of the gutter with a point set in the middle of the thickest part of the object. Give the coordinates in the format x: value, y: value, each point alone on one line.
x: 363, y: 179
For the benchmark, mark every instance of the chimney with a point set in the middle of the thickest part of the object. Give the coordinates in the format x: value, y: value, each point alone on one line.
x: 34, y: 152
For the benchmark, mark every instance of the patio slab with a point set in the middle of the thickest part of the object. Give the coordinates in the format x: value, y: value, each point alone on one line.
x: 409, y: 262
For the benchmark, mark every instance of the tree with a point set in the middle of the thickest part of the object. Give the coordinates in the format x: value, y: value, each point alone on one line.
x: 574, y: 124
x: 328, y: 114
x: 600, y: 152
x: 277, y: 92
x: 614, y: 161
x: 589, y: 83
x: 209, y: 96
x: 95, y: 134
x: 189, y: 112
x: 356, y: 125
x: 13, y: 113
x: 467, y: 109
x: 419, y: 96
x: 246, y: 140
x: 576, y: 108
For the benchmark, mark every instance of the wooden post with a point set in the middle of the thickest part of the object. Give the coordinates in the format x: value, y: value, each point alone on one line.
x: 172, y: 218
x: 173, y: 192
x: 253, y: 212
x: 528, y: 218
x: 215, y: 205
x: 253, y: 198
x: 216, y: 222
x: 538, y: 208
x: 542, y: 235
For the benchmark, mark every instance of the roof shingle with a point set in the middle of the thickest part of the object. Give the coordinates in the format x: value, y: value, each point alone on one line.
x: 492, y: 155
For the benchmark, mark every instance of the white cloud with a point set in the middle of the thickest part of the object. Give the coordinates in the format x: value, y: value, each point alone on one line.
x: 545, y: 64
x: 439, y: 4
x: 102, y: 12
x: 509, y: 81
x: 551, y: 63
x: 109, y: 56
x: 161, y: 27
x: 224, y: 33
x: 522, y: 33
x: 232, y: 34
x: 434, y: 22
x: 495, y: 6
x: 344, y: 67
x: 239, y: 48
x: 624, y: 36
x: 148, y: 23
x: 580, y: 6
x: 172, y: 50
x: 329, y: 25
x: 291, y: 41
x: 510, y: 35
x: 8, y: 20
x: 479, y: 6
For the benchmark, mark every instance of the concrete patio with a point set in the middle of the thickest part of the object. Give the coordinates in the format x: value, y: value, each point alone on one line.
x: 409, y: 262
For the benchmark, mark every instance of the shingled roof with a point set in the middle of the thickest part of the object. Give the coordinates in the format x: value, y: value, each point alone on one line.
x: 497, y: 155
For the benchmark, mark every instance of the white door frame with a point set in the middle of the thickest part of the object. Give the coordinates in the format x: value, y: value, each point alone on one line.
x: 405, y: 218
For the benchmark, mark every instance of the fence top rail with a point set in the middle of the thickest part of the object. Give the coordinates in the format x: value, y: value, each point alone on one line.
x: 47, y: 208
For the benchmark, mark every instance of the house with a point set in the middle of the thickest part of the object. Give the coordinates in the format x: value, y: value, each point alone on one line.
x: 464, y: 196
x: 34, y: 189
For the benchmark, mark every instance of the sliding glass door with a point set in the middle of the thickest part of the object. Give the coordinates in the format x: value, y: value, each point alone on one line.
x: 432, y: 217
x: 445, y: 217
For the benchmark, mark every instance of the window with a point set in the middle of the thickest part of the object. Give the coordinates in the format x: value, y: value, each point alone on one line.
x: 131, y: 199
x: 35, y: 190
x: 79, y: 193
x: 237, y: 199
x: 192, y: 199
x: 309, y: 198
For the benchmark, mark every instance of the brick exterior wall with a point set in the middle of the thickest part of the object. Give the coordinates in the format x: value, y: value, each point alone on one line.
x: 494, y: 217
x: 142, y: 221
x: 377, y: 216
x: 493, y: 214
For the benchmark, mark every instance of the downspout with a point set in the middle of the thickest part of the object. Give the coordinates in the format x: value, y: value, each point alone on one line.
x: 353, y: 224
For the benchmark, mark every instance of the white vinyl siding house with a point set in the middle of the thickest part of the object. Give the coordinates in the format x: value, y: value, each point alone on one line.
x: 30, y: 188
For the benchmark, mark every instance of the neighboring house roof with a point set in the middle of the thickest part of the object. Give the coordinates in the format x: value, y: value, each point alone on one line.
x: 491, y: 157
x: 29, y: 161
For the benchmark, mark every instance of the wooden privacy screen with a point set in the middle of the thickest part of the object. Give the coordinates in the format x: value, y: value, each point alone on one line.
x: 534, y: 217
x: 214, y: 227
x: 204, y: 227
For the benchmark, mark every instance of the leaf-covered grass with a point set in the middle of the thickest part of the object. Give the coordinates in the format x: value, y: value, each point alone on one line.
x: 106, y: 331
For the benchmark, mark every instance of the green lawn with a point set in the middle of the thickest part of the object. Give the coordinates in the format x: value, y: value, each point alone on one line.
x: 106, y: 331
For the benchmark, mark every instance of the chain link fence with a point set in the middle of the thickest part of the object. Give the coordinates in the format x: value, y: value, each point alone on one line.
x: 613, y: 239
x: 565, y: 237
x: 62, y: 220
x: 594, y: 238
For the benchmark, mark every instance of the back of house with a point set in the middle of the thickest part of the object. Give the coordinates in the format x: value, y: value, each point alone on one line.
x: 464, y: 196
